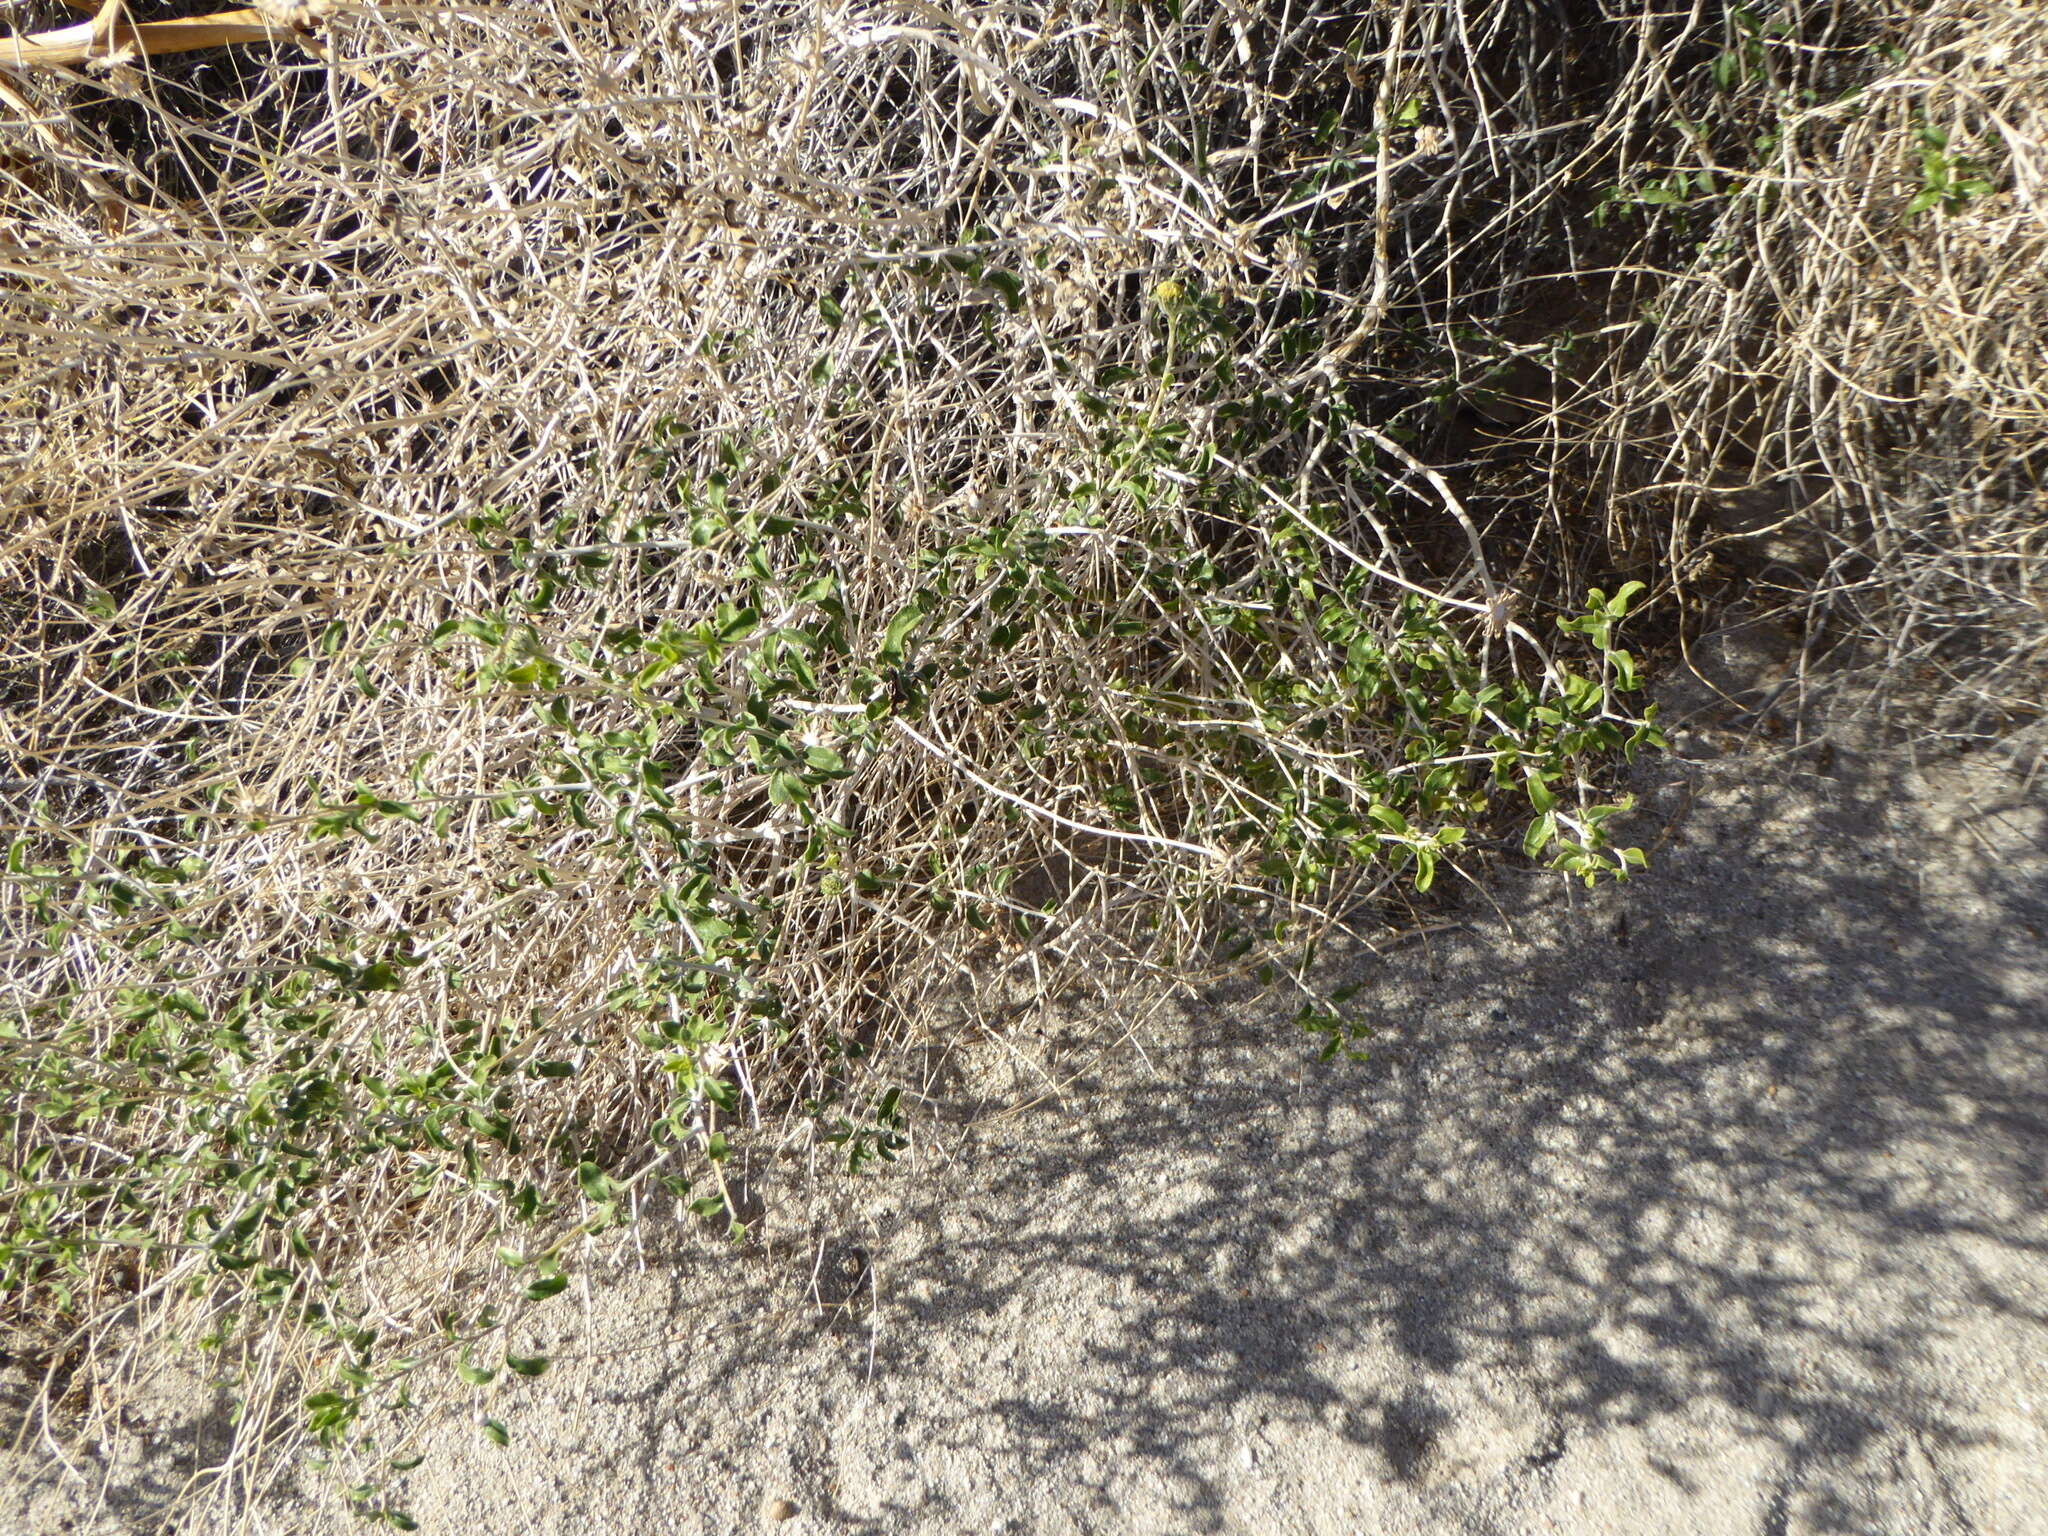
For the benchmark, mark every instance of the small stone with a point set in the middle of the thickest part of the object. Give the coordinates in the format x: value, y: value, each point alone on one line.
x: 780, y: 1509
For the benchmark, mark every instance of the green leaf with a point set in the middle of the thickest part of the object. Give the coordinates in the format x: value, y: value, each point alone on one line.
x: 494, y: 1431
x: 1618, y: 605
x: 380, y: 977
x: 898, y: 631
x: 542, y: 1289
x: 1542, y: 832
x: 1010, y: 286
x: 526, y: 1365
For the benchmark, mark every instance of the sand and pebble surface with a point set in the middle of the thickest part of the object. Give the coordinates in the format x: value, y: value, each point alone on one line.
x: 1712, y: 1203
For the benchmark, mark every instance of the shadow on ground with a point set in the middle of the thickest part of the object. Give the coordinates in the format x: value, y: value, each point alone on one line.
x: 1744, y: 1161
x: 1712, y: 1203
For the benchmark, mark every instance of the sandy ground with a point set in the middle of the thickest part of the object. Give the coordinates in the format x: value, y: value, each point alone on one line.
x: 1711, y: 1204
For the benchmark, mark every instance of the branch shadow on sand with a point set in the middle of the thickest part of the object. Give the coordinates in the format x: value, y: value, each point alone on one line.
x: 1758, y: 1137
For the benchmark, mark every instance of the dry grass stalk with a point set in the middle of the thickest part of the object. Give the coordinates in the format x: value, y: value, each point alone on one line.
x: 110, y: 39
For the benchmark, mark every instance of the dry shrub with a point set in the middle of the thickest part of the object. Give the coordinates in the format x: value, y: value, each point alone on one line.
x: 1832, y: 321
x: 581, y: 582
